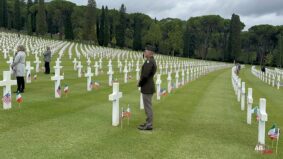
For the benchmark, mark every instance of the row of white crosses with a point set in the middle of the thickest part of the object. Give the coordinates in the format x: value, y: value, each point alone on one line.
x: 271, y: 77
x: 239, y: 89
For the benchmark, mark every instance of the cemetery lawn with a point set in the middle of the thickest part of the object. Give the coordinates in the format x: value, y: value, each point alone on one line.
x: 199, y: 120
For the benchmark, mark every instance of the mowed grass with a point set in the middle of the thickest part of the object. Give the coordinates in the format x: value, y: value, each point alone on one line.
x: 200, y: 120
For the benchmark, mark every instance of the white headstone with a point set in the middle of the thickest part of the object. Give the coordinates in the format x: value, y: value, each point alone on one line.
x: 243, y: 96
x: 158, y: 86
x: 169, y: 79
x: 249, y: 105
x: 262, y: 120
x: 37, y: 64
x: 79, y: 68
x: 57, y: 78
x: 126, y: 74
x: 75, y: 62
x: 28, y: 72
x: 114, y: 97
x: 89, y: 75
x: 7, y: 94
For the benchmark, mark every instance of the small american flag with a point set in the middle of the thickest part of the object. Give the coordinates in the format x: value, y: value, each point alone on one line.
x: 7, y: 98
x: 59, y: 90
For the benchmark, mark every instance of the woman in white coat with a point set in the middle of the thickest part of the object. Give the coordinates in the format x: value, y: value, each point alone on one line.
x: 18, y: 67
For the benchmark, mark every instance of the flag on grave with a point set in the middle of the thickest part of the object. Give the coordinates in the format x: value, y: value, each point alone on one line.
x: 96, y: 85
x: 66, y: 89
x: 273, y: 132
x: 59, y: 90
x: 19, y: 98
x: 163, y: 92
x: 7, y: 98
x: 126, y: 113
x: 91, y: 85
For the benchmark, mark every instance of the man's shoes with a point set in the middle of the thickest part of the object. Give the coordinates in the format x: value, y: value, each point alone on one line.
x: 148, y: 128
x: 142, y: 125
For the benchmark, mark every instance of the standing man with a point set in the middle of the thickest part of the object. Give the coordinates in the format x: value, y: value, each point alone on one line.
x: 147, y: 86
x: 47, y: 59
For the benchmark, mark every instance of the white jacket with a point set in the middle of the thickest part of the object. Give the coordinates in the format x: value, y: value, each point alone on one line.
x: 18, y: 65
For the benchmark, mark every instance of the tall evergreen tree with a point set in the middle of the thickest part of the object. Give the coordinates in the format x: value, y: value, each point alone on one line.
x: 137, y: 42
x: 90, y: 22
x: 186, y: 37
x: 41, y: 25
x: 17, y: 15
x: 69, y: 34
x: 106, y: 37
x: 29, y: 18
x: 121, y: 28
x: 234, y: 47
x: 101, y: 27
x: 3, y: 14
x: 280, y: 45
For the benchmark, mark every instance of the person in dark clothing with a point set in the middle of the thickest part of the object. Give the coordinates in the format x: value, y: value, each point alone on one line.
x: 147, y: 86
x: 47, y: 59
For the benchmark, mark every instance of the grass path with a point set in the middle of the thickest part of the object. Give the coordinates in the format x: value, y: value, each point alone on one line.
x: 199, y: 120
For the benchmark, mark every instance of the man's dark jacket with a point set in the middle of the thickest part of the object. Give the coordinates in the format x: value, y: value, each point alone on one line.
x: 147, y: 73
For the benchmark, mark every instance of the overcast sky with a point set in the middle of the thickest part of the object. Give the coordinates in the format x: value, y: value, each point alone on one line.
x: 252, y: 12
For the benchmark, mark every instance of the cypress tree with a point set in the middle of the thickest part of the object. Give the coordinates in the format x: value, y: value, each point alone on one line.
x: 29, y: 18
x: 106, y: 31
x: 137, y: 42
x: 235, y: 38
x: 41, y: 25
x: 17, y: 15
x: 90, y: 22
x: 121, y: 28
x: 101, y: 27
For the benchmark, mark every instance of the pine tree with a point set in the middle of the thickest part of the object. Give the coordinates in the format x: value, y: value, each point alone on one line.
x: 186, y: 37
x: 90, y: 22
x: 17, y: 15
x: 41, y: 25
x: 121, y: 28
x: 235, y: 38
x: 106, y: 38
x: 280, y: 50
x: 137, y: 42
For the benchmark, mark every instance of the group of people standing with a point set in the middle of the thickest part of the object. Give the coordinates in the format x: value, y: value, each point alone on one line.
x: 18, y: 66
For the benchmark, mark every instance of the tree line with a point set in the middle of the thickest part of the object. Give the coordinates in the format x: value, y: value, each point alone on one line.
x: 208, y: 37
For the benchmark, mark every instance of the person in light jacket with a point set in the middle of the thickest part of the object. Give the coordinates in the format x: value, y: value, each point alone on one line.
x: 18, y: 67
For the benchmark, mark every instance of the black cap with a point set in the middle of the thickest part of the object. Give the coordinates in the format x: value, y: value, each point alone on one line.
x: 150, y: 48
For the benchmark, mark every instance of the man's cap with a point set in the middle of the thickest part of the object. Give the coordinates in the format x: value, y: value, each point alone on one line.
x: 150, y: 48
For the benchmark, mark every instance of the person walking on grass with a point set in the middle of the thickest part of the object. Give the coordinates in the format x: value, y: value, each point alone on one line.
x: 47, y: 59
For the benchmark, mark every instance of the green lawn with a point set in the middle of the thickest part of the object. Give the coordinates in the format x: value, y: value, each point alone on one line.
x: 200, y: 120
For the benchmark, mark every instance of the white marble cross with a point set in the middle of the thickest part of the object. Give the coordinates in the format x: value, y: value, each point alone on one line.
x: 177, y: 79
x: 75, y: 62
x: 249, y: 105
x: 114, y: 97
x: 110, y: 74
x: 141, y: 99
x: 88, y: 61
x: 37, y: 64
x: 5, y: 53
x: 243, y: 96
x: 96, y: 66
x: 278, y: 82
x: 183, y: 77
x: 262, y: 120
x: 126, y: 74
x: 79, y: 68
x: 100, y: 63
x: 158, y: 86
x: 57, y: 78
x: 6, y: 84
x: 169, y: 79
x: 10, y: 62
x: 138, y: 71
x: 239, y: 90
x: 28, y: 72
x: 89, y: 75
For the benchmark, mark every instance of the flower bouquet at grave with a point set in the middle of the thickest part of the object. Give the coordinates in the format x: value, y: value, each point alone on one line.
x: 130, y: 77
x: 34, y: 77
x: 96, y: 85
x: 255, y: 111
x: 163, y: 92
x: 125, y: 114
x: 66, y: 89
x: 274, y: 134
